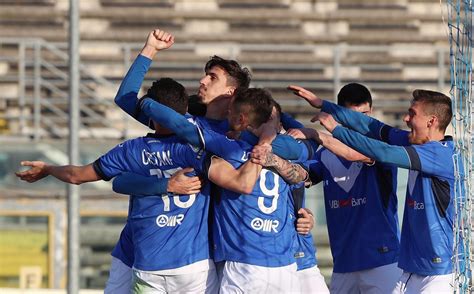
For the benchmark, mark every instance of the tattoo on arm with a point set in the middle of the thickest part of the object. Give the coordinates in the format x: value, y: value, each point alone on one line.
x: 290, y: 172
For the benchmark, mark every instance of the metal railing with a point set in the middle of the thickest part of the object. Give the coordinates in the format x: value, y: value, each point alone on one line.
x: 38, y: 69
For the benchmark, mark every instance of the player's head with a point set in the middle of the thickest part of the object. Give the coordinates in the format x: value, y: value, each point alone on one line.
x: 250, y: 107
x: 430, y: 113
x: 356, y: 97
x: 276, y: 116
x: 170, y: 93
x: 222, y: 78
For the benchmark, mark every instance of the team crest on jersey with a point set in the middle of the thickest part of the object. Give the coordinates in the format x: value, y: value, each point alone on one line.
x: 344, y: 177
x: 164, y: 220
x: 266, y: 225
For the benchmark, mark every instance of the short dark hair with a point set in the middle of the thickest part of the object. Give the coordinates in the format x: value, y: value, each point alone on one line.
x: 170, y: 93
x: 239, y: 76
x: 257, y: 102
x: 436, y: 104
x: 354, y: 94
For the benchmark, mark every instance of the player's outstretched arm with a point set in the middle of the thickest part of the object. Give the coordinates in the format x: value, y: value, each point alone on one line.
x: 378, y: 150
x: 179, y: 183
x: 126, y: 97
x: 67, y: 173
x: 170, y: 119
x: 307, y: 95
x: 328, y: 141
x: 359, y: 122
x: 291, y: 172
x: 241, y: 180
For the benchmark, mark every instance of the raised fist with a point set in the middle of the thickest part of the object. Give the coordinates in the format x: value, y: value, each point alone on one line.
x: 159, y: 40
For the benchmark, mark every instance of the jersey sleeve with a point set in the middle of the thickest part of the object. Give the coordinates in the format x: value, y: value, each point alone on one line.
x: 171, y: 120
x: 285, y: 146
x: 315, y: 170
x: 375, y: 149
x: 289, y: 122
x: 127, y: 95
x: 135, y: 184
x: 114, y: 162
x: 433, y: 158
x: 359, y: 122
x: 220, y: 145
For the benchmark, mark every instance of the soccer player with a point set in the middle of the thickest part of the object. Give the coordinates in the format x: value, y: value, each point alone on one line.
x: 308, y: 274
x: 120, y: 272
x: 361, y: 208
x: 253, y: 233
x: 170, y: 232
x: 426, y: 246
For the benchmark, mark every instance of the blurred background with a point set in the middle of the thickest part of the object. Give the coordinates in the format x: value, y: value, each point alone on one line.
x: 392, y: 46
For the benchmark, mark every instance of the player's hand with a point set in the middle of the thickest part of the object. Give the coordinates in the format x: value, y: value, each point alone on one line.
x: 262, y: 154
x: 266, y: 132
x: 305, y: 221
x: 182, y: 184
x: 304, y: 133
x: 326, y: 120
x: 37, y: 171
x: 309, y: 96
x: 157, y: 40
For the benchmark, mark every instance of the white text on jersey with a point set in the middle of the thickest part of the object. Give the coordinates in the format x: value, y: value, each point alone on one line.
x: 157, y: 158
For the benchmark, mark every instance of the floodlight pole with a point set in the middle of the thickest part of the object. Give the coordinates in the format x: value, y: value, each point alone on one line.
x: 73, y: 195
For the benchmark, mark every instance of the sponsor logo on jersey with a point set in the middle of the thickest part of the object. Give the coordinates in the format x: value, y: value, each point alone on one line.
x: 265, y: 225
x: 164, y: 220
x: 415, y: 205
x: 349, y: 202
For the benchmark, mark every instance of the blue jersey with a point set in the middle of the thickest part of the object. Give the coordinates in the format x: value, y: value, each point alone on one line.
x: 426, y: 246
x: 123, y: 250
x: 427, y: 230
x: 169, y: 231
x: 257, y: 228
x: 361, y: 211
x: 304, y: 249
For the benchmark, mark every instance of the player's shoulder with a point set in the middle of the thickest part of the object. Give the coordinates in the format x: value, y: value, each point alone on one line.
x: 443, y: 146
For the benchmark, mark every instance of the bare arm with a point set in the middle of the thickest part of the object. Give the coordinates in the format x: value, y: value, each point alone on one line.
x: 331, y: 143
x: 240, y: 180
x: 342, y: 150
x: 67, y: 173
x: 290, y: 172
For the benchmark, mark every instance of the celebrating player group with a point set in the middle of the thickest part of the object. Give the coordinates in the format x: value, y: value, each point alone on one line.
x: 217, y: 189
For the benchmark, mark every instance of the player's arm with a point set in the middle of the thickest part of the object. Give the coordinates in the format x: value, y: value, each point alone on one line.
x: 291, y: 172
x: 241, y: 180
x: 359, y: 122
x: 127, y: 95
x: 328, y: 141
x: 289, y: 122
x: 184, y: 129
x: 179, y: 183
x: 67, y: 173
x: 378, y: 150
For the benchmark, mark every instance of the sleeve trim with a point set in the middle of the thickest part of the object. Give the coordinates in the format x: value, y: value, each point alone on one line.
x: 415, y: 162
x: 97, y: 165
